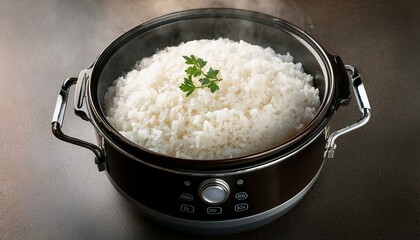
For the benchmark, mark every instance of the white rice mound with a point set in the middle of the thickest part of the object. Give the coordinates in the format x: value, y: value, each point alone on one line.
x: 263, y: 101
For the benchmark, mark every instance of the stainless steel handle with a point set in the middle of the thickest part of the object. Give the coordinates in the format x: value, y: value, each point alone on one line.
x: 57, y: 123
x: 364, y: 107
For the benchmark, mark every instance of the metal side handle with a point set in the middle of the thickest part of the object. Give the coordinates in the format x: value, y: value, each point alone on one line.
x: 57, y: 123
x: 364, y: 107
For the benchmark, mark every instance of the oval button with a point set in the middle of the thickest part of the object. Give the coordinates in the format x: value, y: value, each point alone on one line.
x: 214, y: 191
x: 241, y: 196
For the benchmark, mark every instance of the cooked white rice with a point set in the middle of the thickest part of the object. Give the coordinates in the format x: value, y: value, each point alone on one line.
x: 264, y: 99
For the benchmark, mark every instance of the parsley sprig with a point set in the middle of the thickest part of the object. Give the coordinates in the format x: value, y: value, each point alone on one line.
x: 207, y: 80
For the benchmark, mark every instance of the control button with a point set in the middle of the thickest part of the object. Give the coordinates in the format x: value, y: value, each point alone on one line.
x: 187, y: 183
x: 240, y: 182
x: 186, y: 197
x: 214, y: 191
x: 214, y: 210
x: 241, y: 196
x: 214, y: 194
x: 187, y: 208
x: 241, y: 207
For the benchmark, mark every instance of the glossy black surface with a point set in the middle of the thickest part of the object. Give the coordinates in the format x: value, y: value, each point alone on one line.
x: 266, y: 185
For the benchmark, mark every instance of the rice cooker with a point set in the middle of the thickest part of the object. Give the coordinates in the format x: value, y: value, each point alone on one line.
x: 215, y: 196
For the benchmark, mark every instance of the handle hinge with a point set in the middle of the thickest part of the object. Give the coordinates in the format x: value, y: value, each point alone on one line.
x: 364, y: 107
x: 57, y: 123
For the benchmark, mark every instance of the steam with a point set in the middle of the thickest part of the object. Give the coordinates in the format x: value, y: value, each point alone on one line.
x: 135, y: 12
x: 113, y: 18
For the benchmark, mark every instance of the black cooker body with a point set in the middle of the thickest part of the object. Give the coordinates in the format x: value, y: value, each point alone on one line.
x: 230, y: 195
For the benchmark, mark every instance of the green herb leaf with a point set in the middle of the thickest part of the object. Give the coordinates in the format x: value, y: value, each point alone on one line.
x: 188, y: 60
x: 193, y: 71
x: 204, y: 81
x: 207, y: 80
x: 211, y: 73
x: 213, y: 87
x: 201, y: 63
x: 189, y: 93
x: 187, y: 85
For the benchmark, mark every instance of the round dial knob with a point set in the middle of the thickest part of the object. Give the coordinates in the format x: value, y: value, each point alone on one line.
x: 214, y: 191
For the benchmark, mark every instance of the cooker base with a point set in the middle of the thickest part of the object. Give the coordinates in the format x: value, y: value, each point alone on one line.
x: 218, y: 227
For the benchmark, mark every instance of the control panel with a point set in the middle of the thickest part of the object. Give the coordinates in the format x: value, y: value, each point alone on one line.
x: 213, y: 198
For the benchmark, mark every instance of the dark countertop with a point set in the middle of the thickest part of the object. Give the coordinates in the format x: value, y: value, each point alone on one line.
x: 52, y: 190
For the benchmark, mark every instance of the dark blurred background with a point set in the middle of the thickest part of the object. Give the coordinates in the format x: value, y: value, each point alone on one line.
x: 52, y: 190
